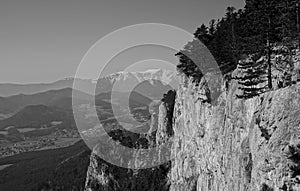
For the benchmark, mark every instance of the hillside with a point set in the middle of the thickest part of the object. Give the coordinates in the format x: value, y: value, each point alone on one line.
x: 60, y: 169
x: 123, y: 98
x: 8, y: 89
x: 55, y: 98
x: 37, y: 116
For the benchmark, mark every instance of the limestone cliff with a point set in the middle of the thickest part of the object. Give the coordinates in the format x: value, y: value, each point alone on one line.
x: 236, y: 145
x: 104, y: 176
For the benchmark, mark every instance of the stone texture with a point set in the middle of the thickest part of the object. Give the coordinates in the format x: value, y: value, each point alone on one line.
x: 223, y: 144
x: 102, y: 176
x: 236, y: 145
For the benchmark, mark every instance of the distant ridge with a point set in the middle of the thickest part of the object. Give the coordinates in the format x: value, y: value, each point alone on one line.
x: 121, y: 81
x: 10, y: 89
x: 55, y: 98
x: 35, y: 116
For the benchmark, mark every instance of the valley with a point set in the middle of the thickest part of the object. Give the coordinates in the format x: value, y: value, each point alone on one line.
x: 40, y: 141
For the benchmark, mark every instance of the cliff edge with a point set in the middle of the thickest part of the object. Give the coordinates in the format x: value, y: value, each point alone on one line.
x: 237, y: 144
x: 231, y: 145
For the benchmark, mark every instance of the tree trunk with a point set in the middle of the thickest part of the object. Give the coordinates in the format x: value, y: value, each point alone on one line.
x: 298, y: 26
x: 269, y: 58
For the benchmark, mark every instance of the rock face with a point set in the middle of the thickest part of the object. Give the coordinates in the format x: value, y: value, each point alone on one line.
x: 236, y: 145
x: 231, y: 145
x: 103, y: 176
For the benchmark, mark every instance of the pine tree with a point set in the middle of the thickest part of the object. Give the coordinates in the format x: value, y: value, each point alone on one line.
x: 252, y: 83
x: 202, y: 34
x: 188, y: 67
x: 298, y: 22
x: 253, y: 30
x: 287, y: 21
x: 262, y: 15
x: 195, y: 60
x: 212, y: 25
x: 232, y: 17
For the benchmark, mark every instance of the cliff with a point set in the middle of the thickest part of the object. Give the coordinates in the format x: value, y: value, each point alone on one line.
x: 103, y: 176
x: 130, y: 169
x: 236, y: 144
x: 230, y: 145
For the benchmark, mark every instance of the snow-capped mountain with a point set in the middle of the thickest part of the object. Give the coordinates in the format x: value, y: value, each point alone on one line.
x: 120, y: 81
x: 154, y: 74
x: 127, y: 81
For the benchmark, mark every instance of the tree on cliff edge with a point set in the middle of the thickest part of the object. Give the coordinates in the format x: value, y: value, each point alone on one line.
x: 252, y: 83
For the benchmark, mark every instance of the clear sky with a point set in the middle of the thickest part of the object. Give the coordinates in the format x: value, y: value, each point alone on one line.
x: 45, y: 40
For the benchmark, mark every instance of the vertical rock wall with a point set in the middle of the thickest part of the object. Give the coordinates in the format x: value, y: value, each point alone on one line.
x: 236, y: 145
x: 103, y: 176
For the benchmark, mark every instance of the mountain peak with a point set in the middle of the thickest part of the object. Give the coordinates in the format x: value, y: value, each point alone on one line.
x: 125, y: 81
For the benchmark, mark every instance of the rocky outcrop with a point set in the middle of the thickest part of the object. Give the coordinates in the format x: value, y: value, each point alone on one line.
x: 147, y: 176
x: 219, y: 142
x: 236, y: 145
x: 103, y: 176
x: 165, y: 119
x: 285, y: 66
x: 233, y: 145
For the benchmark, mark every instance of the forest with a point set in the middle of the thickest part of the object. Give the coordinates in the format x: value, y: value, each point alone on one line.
x: 253, y: 32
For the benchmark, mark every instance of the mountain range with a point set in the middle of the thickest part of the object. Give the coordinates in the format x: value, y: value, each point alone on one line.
x: 36, y: 116
x: 120, y: 81
x: 42, y: 108
x: 57, y: 98
x: 9, y: 89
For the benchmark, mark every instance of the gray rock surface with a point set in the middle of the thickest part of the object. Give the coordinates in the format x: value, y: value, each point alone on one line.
x: 236, y: 145
x: 231, y: 145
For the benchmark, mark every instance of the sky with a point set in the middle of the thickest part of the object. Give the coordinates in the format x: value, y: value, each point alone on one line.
x: 45, y: 40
